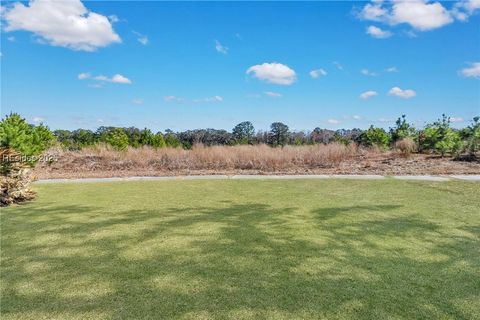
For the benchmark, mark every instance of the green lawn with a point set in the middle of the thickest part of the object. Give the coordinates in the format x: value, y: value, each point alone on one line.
x: 297, y: 249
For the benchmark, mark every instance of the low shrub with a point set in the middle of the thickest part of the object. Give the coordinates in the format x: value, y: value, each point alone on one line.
x: 406, y: 146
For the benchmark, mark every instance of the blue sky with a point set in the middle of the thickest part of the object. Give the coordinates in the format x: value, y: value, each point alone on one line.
x: 183, y: 65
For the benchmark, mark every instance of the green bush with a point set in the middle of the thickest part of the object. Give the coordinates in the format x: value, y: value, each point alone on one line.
x: 28, y: 140
x: 471, y: 135
x: 402, y: 130
x: 375, y: 137
x: 172, y: 141
x: 158, y: 141
x: 440, y: 138
x: 117, y: 139
x: 449, y: 143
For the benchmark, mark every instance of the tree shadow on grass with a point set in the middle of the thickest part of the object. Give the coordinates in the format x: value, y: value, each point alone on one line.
x: 236, y: 261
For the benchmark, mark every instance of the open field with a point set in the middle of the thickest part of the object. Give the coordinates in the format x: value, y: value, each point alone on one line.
x: 244, y: 249
x: 258, y: 159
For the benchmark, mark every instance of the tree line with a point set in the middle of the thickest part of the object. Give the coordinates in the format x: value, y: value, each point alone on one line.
x: 438, y: 136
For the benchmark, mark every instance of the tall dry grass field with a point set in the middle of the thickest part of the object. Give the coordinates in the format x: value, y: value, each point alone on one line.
x: 221, y: 158
x: 102, y: 161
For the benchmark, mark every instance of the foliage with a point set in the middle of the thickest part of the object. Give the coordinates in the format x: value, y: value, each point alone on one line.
x: 171, y: 140
x: 441, y: 138
x: 20, y: 146
x: 134, y: 136
x: 402, y: 130
x: 158, y: 141
x: 29, y: 141
x: 146, y: 137
x: 375, y: 137
x: 243, y: 132
x: 471, y: 136
x: 117, y: 139
x: 278, y: 135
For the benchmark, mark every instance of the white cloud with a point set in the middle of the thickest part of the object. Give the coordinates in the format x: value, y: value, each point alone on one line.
x: 367, y: 72
x: 333, y: 121
x: 137, y: 101
x: 66, y: 24
x: 210, y: 99
x: 117, y: 78
x: 419, y: 14
x: 473, y: 71
x: 38, y: 119
x: 173, y: 98
x: 274, y: 72
x: 404, y: 94
x: 220, y: 48
x: 318, y: 73
x: 357, y: 117
x: 457, y: 119
x: 392, y: 69
x: 373, y: 11
x: 273, y: 94
x: 465, y: 8
x: 368, y: 94
x: 143, y: 39
x: 84, y: 75
x: 378, y: 33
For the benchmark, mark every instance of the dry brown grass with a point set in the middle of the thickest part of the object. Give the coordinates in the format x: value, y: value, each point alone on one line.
x: 258, y: 157
x: 406, y: 146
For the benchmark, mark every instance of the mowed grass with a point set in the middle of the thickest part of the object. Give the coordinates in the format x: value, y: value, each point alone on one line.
x: 294, y: 249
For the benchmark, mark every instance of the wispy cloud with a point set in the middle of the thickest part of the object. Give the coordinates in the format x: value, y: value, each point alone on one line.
x: 117, y: 78
x: 37, y: 120
x: 338, y: 65
x: 173, y: 98
x: 473, y: 71
x: 457, y: 119
x: 333, y: 121
x: 220, y: 48
x: 209, y: 99
x: 318, y: 73
x: 143, y: 39
x: 392, y: 69
x: 368, y: 94
x: 273, y: 94
x: 367, y: 72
